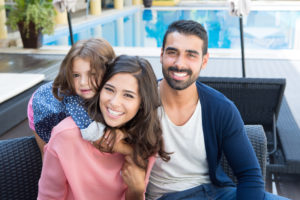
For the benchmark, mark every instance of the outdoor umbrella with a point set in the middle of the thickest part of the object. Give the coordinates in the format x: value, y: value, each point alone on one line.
x: 240, y: 8
x: 69, y: 5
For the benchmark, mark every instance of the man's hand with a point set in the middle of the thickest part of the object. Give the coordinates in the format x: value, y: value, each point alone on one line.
x: 134, y: 177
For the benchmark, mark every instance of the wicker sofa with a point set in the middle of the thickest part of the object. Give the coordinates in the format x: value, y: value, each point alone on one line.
x: 21, y: 163
x: 262, y: 101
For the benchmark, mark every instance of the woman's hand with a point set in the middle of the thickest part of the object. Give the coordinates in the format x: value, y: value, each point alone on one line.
x: 114, y: 143
x: 121, y: 146
x: 105, y: 143
x: 134, y: 177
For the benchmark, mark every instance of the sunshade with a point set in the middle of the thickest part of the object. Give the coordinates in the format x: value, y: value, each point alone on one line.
x: 240, y: 8
x: 69, y: 5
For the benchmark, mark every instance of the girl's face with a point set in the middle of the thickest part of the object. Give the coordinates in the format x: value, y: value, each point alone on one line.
x: 119, y: 99
x: 81, y: 78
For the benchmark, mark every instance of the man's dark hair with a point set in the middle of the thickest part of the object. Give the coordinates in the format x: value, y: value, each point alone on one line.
x: 188, y: 27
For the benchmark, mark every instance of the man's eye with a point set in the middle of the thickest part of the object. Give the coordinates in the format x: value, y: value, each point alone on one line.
x: 191, y: 55
x: 171, y: 52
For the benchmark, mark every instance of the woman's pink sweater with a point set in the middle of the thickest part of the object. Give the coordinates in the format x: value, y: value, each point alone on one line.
x: 74, y: 169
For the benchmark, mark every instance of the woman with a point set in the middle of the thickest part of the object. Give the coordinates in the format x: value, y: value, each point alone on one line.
x: 127, y: 100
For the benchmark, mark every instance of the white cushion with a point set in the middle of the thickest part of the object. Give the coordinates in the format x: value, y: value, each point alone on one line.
x: 12, y: 84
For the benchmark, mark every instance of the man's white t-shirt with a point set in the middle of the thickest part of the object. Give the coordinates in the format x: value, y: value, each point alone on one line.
x: 188, y: 165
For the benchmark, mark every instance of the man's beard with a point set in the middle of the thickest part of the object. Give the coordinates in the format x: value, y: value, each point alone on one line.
x: 178, y: 84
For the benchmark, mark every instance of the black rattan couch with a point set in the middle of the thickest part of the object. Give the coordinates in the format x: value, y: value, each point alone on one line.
x: 21, y: 163
x: 261, y: 101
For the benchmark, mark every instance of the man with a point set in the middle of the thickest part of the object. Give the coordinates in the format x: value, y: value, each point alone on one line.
x: 199, y: 124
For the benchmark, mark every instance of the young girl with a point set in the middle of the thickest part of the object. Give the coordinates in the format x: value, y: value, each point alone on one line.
x: 128, y: 100
x: 79, y: 77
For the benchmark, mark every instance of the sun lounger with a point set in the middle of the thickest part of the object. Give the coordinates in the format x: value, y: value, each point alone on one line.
x: 13, y: 106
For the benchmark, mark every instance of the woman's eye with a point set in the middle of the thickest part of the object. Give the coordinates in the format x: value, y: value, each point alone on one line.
x: 129, y: 96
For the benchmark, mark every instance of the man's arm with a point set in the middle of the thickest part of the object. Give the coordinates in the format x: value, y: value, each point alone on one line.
x: 241, y: 157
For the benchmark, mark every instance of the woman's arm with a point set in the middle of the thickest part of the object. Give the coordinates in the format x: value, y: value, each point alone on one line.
x: 52, y: 183
x: 120, y: 145
x: 134, y: 178
x: 117, y: 144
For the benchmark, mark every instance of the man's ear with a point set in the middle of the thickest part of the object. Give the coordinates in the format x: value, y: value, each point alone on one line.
x: 205, y: 60
x: 161, y: 54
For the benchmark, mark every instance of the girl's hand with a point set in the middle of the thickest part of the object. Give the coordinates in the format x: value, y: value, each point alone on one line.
x: 134, y: 177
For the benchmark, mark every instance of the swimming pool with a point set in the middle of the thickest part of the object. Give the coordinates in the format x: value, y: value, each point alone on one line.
x: 263, y: 29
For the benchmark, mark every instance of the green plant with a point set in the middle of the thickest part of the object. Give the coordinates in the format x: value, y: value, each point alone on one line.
x: 39, y: 12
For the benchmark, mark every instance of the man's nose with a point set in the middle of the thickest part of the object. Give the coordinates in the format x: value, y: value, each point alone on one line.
x: 180, y: 62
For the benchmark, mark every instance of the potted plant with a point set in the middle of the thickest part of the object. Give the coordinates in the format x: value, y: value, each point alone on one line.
x: 33, y: 18
x: 147, y: 3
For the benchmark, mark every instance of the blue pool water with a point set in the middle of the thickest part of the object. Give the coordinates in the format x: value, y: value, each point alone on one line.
x: 145, y: 28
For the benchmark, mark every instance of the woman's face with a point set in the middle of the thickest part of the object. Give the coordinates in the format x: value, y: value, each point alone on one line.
x: 119, y: 99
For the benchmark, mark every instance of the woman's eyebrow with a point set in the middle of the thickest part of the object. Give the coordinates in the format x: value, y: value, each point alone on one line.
x: 130, y: 91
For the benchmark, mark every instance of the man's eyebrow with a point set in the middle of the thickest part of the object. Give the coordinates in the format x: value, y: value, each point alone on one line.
x: 193, y: 51
x: 171, y: 49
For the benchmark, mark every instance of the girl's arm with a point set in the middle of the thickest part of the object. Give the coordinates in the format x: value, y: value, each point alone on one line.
x: 41, y: 143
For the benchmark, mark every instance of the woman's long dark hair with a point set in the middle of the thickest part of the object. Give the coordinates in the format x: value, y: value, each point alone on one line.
x: 144, y: 130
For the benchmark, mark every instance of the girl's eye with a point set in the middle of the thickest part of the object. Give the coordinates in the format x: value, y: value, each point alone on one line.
x: 108, y: 89
x: 75, y: 75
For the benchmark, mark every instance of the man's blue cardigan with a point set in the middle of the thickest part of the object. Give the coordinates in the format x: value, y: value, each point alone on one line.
x: 224, y: 131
